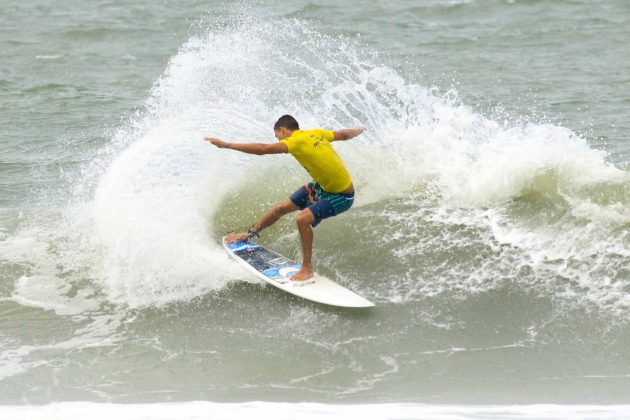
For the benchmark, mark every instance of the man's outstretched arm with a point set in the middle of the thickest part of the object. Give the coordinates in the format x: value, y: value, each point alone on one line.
x: 348, y: 133
x: 251, y: 148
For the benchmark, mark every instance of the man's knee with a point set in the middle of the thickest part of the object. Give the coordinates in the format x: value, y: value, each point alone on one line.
x: 305, y: 217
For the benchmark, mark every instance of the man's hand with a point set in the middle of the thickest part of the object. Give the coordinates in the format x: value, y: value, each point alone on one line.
x: 348, y: 133
x: 217, y: 142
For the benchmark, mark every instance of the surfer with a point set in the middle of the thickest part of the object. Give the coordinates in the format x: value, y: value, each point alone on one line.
x: 329, y: 194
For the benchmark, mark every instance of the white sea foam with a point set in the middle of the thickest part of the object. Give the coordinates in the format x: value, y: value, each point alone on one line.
x: 307, y: 411
x: 101, y: 330
x: 48, y: 57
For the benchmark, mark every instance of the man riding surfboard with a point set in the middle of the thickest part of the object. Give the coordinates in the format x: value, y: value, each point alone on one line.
x: 329, y: 194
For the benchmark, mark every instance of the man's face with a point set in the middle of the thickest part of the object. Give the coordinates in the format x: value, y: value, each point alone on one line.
x: 281, y: 133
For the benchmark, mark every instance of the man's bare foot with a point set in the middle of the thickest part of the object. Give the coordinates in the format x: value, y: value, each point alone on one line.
x: 304, y: 274
x: 236, y: 237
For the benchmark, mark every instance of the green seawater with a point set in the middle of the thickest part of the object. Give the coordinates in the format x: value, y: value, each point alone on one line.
x: 490, y: 227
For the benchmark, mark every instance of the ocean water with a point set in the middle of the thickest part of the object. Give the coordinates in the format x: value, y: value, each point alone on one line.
x: 491, y: 224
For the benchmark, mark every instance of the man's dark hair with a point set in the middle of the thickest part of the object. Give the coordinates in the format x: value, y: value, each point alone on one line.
x: 287, y: 122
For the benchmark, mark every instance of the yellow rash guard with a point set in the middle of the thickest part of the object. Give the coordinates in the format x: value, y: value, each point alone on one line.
x: 313, y: 151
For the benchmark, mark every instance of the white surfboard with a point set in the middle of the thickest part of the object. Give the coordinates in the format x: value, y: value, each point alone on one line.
x: 277, y: 270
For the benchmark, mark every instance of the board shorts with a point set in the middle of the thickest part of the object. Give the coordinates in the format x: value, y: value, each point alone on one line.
x: 322, y: 203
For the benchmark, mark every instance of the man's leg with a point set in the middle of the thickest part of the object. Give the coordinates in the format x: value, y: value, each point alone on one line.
x: 284, y: 207
x: 304, y: 220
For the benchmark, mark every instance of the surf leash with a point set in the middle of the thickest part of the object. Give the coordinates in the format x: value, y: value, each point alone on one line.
x: 252, y: 233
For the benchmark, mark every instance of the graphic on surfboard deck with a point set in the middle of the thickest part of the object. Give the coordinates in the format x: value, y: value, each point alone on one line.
x: 277, y: 270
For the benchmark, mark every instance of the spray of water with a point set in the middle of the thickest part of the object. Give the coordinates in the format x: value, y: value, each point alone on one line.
x: 537, y: 189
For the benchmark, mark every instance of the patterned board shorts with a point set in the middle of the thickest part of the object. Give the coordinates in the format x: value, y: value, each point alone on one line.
x: 322, y: 203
